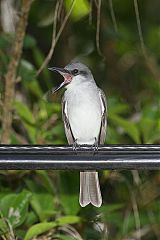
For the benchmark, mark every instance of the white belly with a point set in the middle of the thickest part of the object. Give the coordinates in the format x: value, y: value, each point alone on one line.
x: 84, y: 114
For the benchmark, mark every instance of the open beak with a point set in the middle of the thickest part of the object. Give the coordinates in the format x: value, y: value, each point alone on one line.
x: 65, y: 73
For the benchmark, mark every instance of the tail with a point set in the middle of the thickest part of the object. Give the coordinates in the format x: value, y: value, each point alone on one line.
x: 89, y: 189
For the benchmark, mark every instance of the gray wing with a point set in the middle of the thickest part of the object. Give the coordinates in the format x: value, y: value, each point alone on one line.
x: 67, y: 127
x: 102, y: 133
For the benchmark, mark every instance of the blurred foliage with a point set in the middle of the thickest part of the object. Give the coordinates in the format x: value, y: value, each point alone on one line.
x: 44, y: 205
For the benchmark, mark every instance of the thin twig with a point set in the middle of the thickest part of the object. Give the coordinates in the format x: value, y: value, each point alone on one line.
x: 71, y: 231
x: 10, y: 77
x: 60, y: 9
x: 144, y: 231
x: 96, y: 2
x: 113, y: 16
x: 98, y: 27
x: 49, y: 55
x: 136, y: 215
x: 150, y: 61
x: 139, y: 28
x: 136, y: 177
x: 55, y: 39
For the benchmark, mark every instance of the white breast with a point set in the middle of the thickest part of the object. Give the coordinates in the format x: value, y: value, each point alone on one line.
x: 84, y: 112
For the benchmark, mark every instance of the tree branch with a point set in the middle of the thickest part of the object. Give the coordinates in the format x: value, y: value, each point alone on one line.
x: 10, y: 77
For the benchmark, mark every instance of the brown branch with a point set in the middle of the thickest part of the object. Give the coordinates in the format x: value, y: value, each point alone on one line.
x: 10, y: 77
x: 56, y: 38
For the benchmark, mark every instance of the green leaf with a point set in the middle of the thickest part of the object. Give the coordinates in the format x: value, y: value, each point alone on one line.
x: 44, y: 227
x: 45, y: 180
x: 26, y: 70
x: 19, y: 233
x: 15, y: 207
x: 129, y: 127
x: 34, y: 87
x: 69, y: 189
x: 112, y: 136
x: 24, y: 112
x: 43, y: 205
x: 38, y: 229
x: 80, y: 9
x: 67, y: 220
x: 31, y: 130
x: 28, y: 119
x: 148, y: 123
x: 5, y: 40
x: 114, y: 218
x: 29, y: 42
x: 31, y: 218
x: 3, y: 226
x: 111, y: 208
x: 147, y: 127
x: 116, y: 107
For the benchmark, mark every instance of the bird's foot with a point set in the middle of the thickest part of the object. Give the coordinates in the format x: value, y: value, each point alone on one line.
x: 95, y: 146
x: 75, y: 146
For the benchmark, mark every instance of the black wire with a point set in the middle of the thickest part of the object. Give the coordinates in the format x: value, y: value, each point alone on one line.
x: 85, y: 158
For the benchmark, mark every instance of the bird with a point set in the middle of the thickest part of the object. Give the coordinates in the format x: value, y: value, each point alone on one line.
x: 84, y: 110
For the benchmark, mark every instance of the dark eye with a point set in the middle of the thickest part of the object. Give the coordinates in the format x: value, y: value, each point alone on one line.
x: 75, y: 72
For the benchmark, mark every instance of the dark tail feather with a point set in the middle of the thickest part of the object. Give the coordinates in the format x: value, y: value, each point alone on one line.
x: 89, y: 189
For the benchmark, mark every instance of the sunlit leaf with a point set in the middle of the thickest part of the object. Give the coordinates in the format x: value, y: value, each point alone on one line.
x: 67, y: 220
x: 80, y: 9
x: 38, y: 229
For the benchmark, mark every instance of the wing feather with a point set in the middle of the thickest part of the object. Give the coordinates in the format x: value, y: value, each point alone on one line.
x: 102, y: 133
x: 67, y: 127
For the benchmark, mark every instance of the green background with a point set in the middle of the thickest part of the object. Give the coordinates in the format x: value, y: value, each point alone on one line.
x: 45, y: 203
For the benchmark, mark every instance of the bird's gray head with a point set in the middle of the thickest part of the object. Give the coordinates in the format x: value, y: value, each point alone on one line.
x: 74, y: 74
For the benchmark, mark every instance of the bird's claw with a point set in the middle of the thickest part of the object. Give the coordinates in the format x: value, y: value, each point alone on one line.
x: 95, y: 146
x: 75, y: 146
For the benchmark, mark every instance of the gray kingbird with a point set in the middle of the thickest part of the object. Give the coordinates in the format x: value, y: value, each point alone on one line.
x: 84, y: 114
